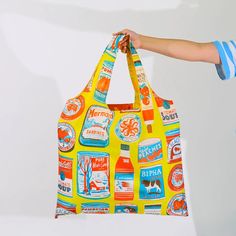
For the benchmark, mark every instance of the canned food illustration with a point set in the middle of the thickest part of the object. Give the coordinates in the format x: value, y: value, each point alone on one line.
x: 93, y: 174
x: 177, y: 205
x: 149, y: 150
x: 103, y: 81
x: 174, y: 147
x: 152, y: 209
x: 65, y: 176
x: 73, y: 109
x: 151, y: 183
x: 175, y: 179
x: 126, y: 208
x: 66, y: 137
x: 95, y: 131
x: 95, y: 208
x: 167, y: 110
x: 64, y: 208
x: 128, y: 128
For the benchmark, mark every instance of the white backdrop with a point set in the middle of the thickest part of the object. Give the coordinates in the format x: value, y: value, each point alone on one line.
x: 48, y: 51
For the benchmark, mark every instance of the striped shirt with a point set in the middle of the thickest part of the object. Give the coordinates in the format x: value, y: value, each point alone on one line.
x: 227, y: 52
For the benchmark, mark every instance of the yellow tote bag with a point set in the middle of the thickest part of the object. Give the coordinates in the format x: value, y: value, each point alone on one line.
x: 119, y: 158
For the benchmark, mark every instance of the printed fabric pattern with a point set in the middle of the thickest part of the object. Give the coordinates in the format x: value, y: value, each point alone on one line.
x: 119, y: 158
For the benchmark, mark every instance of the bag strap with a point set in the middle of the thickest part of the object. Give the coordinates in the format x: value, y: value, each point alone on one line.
x: 100, y: 80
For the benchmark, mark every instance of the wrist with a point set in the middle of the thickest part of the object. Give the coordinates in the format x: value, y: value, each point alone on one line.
x: 142, y: 40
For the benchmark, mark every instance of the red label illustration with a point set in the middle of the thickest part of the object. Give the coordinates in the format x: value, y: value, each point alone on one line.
x: 65, y: 176
x: 177, y: 205
x: 175, y: 179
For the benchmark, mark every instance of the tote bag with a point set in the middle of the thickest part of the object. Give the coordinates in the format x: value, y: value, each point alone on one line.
x: 119, y: 158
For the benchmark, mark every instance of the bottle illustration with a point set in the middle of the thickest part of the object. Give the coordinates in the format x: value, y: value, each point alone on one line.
x: 95, y: 131
x: 145, y: 95
x: 103, y: 81
x: 124, y: 175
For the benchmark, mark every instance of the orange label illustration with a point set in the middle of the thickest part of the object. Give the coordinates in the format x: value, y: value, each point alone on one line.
x: 128, y: 128
x: 124, y: 176
x: 103, y: 82
x: 73, y: 108
x: 174, y: 147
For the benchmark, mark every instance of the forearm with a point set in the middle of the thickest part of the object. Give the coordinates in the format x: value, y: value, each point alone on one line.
x: 181, y: 49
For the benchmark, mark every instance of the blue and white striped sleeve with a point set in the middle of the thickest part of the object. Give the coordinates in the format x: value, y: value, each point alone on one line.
x: 227, y: 52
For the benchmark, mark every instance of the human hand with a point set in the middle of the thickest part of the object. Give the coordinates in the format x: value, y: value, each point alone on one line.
x: 130, y: 35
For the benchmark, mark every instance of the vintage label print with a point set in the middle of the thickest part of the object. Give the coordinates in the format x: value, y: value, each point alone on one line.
x: 95, y: 131
x: 64, y: 208
x: 152, y: 209
x: 167, y: 110
x: 126, y: 208
x: 103, y: 81
x: 66, y: 137
x: 177, y: 205
x: 95, y: 208
x: 149, y: 150
x: 151, y: 183
x: 175, y: 179
x: 73, y: 109
x: 174, y: 147
x: 128, y: 128
x: 93, y: 174
x: 65, y: 176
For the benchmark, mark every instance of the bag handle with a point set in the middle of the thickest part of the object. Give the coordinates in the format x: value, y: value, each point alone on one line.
x: 100, y: 80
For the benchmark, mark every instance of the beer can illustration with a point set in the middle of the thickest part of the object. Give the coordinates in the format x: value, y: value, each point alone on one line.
x: 152, y: 209
x: 64, y: 208
x: 149, y: 150
x: 177, y: 205
x: 93, y: 174
x: 174, y: 146
x: 95, y: 130
x: 65, y: 176
x: 95, y: 208
x: 126, y: 208
x: 103, y: 81
x: 151, y: 183
x: 66, y: 137
x: 175, y: 179
x: 73, y: 109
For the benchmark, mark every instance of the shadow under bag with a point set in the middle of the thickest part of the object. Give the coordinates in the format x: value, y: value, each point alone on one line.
x: 119, y: 158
